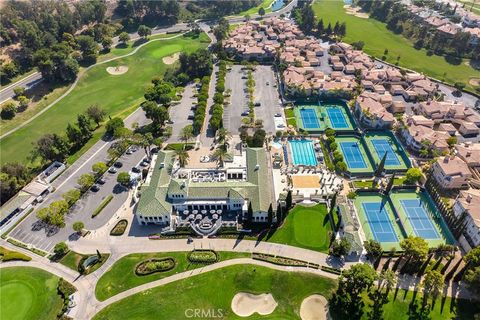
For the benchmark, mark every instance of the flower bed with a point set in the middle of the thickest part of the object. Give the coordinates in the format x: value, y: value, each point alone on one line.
x: 154, y: 265
x: 119, y: 228
x: 282, y: 261
x: 203, y: 256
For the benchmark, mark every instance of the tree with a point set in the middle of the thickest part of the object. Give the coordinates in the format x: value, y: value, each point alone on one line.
x: 107, y: 43
x: 288, y: 199
x: 78, y: 226
x: 124, y: 37
x: 472, y: 258
x: 83, y: 124
x: 144, y: 31
x: 432, y: 284
x: 472, y: 278
x: 60, y: 249
x: 23, y: 102
x: 346, y: 302
x: 388, y: 279
x: 50, y: 147
x: 223, y: 135
x: 99, y: 168
x: 220, y: 155
x: 250, y: 212
x: 459, y: 86
x: 19, y: 91
x: 452, y: 141
x: 261, y: 12
x: 158, y: 114
x: 320, y: 28
x: 85, y: 181
x: 186, y: 134
x: 415, y: 248
x: 270, y: 215
x: 8, y: 111
x: 340, y: 247
x: 96, y: 114
x: 71, y: 196
x: 113, y: 125
x: 123, y: 178
x: 413, y: 175
x: 183, y: 157
x: 373, y: 248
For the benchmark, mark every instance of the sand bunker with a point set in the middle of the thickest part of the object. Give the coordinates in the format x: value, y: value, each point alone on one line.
x: 474, y: 81
x: 171, y: 59
x: 314, y: 307
x: 245, y: 304
x: 117, y: 70
x: 355, y: 11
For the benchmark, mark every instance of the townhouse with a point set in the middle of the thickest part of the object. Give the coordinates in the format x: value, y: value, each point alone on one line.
x: 451, y: 172
x: 467, y: 205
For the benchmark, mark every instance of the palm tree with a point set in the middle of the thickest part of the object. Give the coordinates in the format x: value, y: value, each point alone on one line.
x: 388, y: 279
x: 144, y: 140
x: 223, y: 136
x: 186, y: 134
x: 183, y: 157
x: 219, y: 155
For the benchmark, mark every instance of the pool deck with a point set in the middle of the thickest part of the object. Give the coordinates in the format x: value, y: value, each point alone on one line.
x: 369, y: 168
x: 399, y: 152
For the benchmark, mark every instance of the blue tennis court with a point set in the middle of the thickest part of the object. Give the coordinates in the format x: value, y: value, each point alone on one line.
x: 353, y: 155
x: 379, y: 221
x: 309, y: 118
x: 419, y: 219
x: 337, y: 118
x: 382, y: 146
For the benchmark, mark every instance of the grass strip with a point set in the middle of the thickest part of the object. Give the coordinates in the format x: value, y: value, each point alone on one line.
x: 102, y: 206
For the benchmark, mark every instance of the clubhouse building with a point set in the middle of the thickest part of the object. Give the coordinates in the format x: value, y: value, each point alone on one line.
x: 206, y: 197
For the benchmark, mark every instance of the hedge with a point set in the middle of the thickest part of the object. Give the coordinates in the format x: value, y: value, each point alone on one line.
x: 119, y: 228
x: 202, y: 256
x: 24, y: 246
x: 283, y: 261
x: 154, y: 265
x: 216, y: 121
x: 331, y: 270
x: 201, y: 105
x: 102, y: 205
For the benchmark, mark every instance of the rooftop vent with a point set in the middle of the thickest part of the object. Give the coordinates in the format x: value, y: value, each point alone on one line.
x: 469, y: 198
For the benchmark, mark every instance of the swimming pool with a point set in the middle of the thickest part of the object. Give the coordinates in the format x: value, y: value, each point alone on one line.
x: 303, y: 153
x: 277, y: 5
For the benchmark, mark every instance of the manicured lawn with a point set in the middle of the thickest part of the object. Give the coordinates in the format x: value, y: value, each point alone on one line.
x: 112, y: 93
x: 71, y: 260
x: 265, y: 5
x: 215, y: 290
x: 377, y: 38
x: 28, y: 293
x: 305, y: 227
x: 121, y: 276
x: 398, y: 308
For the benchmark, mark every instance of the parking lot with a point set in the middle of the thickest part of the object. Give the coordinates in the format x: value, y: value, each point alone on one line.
x: 266, y: 92
x: 179, y: 113
x: 232, y: 114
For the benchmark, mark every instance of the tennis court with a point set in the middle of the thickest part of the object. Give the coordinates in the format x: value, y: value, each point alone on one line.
x: 309, y: 118
x: 419, y: 219
x: 337, y: 118
x: 382, y: 146
x: 353, y: 155
x: 379, y: 221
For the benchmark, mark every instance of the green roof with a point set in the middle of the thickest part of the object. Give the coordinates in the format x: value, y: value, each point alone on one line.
x: 256, y: 189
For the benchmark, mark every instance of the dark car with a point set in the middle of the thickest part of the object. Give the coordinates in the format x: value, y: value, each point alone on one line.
x: 136, y: 170
x: 95, y: 188
x: 118, y: 164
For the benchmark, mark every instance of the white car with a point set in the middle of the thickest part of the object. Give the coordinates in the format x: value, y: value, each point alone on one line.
x: 278, y: 115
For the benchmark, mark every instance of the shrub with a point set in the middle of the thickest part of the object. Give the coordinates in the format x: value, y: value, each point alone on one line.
x: 202, y: 256
x: 119, y: 228
x: 150, y: 266
x: 8, y: 255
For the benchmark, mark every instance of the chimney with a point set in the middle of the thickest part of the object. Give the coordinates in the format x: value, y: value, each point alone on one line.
x: 445, y: 159
x: 468, y: 154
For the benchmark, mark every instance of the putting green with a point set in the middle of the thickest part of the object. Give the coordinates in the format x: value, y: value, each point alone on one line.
x: 28, y: 293
x: 305, y: 227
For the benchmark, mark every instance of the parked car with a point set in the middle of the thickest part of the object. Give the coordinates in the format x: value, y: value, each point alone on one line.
x: 147, y: 160
x: 136, y: 170
x: 101, y: 180
x: 144, y: 164
x: 278, y: 115
x: 191, y: 117
x: 118, y: 164
x: 129, y: 151
x: 245, y: 113
x: 95, y: 188
x: 257, y: 104
x: 169, y: 121
x: 112, y: 170
x: 268, y: 83
x: 281, y: 125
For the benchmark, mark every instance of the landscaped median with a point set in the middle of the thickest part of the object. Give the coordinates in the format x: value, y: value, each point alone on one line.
x: 102, y: 205
x: 9, y: 255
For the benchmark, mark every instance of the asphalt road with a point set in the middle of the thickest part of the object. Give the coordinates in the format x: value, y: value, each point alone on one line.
x: 268, y: 96
x: 27, y: 82
x: 232, y: 114
x: 84, y: 208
